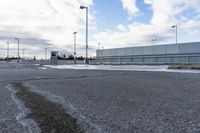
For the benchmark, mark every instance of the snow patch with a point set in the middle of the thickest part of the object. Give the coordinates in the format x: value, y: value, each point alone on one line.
x: 145, y: 68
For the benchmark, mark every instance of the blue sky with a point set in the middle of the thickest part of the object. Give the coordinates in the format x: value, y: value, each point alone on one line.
x: 108, y: 17
x: 115, y: 23
x: 110, y: 13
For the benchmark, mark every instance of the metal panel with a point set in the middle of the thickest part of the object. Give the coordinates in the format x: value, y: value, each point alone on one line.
x: 172, y: 49
x: 128, y: 51
x: 106, y: 52
x: 194, y: 59
x: 175, y: 60
x: 196, y: 47
x: 160, y: 60
x: 137, y: 60
x: 186, y: 48
x: 159, y: 49
x: 99, y: 53
x: 113, y: 52
x: 120, y: 52
x: 138, y: 51
x: 148, y: 50
x: 148, y: 60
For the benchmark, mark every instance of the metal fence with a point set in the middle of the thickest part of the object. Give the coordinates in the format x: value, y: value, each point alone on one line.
x: 151, y: 59
x: 186, y: 53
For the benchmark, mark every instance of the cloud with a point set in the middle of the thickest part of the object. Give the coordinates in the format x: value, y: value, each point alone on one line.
x: 130, y: 7
x: 121, y: 27
x: 41, y: 23
x: 51, y: 23
x: 165, y: 14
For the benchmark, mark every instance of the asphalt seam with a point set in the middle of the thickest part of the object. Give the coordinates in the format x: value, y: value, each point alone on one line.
x: 68, y: 78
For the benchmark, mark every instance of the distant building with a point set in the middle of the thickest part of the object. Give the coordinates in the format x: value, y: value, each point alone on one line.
x: 182, y: 53
x: 54, y: 57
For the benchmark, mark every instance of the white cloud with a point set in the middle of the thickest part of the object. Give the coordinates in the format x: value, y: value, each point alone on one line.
x: 130, y: 7
x: 121, y: 27
x: 48, y: 23
x: 165, y: 14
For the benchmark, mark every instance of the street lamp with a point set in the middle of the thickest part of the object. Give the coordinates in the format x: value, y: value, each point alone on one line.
x: 75, y: 47
x: 84, y: 7
x: 154, y: 41
x: 45, y: 53
x: 175, y: 26
x: 7, y: 51
x: 23, y: 50
x: 99, y: 45
x: 17, y: 48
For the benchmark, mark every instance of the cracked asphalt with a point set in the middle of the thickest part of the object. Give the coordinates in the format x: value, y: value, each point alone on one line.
x: 108, y: 101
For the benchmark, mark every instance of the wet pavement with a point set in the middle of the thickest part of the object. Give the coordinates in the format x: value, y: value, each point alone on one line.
x: 105, y: 100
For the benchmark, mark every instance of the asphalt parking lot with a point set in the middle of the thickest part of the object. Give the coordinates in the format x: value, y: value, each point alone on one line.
x: 103, y: 100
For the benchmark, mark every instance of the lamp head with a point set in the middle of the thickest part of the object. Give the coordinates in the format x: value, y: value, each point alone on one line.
x: 173, y: 26
x: 74, y: 32
x: 82, y: 7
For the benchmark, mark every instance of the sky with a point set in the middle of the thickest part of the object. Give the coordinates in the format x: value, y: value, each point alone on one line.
x: 50, y: 24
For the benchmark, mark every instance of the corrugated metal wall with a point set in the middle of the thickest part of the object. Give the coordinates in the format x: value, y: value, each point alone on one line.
x: 184, y: 53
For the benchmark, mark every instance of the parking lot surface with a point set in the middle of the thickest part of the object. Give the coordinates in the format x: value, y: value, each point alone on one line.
x: 104, y: 100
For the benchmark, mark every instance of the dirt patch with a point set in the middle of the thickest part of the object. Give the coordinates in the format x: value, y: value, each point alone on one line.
x: 185, y: 67
x: 51, y: 117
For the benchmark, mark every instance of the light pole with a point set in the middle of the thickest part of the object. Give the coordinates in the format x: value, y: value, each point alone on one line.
x: 7, y: 51
x: 23, y: 50
x: 45, y: 53
x: 17, y: 49
x: 175, y: 26
x: 84, y: 7
x: 154, y: 42
x: 75, y: 47
x: 99, y: 45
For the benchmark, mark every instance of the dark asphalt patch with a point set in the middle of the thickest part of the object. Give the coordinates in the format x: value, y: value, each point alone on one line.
x: 51, y: 117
